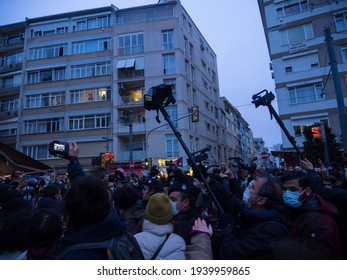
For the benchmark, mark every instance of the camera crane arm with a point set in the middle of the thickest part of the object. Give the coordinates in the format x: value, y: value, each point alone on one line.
x: 159, y: 97
x: 265, y: 100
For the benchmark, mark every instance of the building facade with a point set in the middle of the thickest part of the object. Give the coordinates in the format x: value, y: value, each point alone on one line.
x: 305, y: 88
x: 81, y: 76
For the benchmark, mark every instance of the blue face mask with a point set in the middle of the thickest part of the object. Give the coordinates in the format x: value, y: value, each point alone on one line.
x: 174, y: 207
x: 246, y: 196
x: 291, y: 199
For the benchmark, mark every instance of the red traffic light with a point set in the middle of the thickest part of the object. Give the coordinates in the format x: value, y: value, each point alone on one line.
x: 316, y: 133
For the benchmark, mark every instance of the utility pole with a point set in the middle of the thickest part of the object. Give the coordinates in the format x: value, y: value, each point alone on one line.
x: 338, y: 89
x: 325, y: 144
x: 130, y: 142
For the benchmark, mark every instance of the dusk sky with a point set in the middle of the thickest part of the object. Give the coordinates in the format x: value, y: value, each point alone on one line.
x: 232, y: 28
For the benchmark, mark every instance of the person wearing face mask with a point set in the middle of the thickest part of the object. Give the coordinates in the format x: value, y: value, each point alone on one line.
x: 249, y: 225
x: 313, y: 217
x: 183, y: 198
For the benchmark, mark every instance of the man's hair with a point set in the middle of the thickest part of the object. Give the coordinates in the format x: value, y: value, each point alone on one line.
x: 304, y: 180
x: 51, y: 191
x: 271, y: 189
x: 87, y: 202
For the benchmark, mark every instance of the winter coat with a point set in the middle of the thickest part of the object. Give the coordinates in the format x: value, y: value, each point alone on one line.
x: 132, y: 216
x: 200, y: 247
x: 315, y: 223
x: 110, y: 227
x: 184, y: 222
x: 153, y: 235
x: 253, y: 239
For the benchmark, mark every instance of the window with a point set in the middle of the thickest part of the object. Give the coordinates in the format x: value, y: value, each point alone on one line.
x: 191, y: 52
x: 90, y: 70
x: 171, y: 146
x: 291, y: 7
x: 89, y: 122
x: 45, y: 100
x: 169, y: 64
x: 131, y: 43
x: 306, y: 93
x: 168, y: 39
x: 299, y: 125
x: 301, y: 63
x: 12, y: 60
x: 47, y: 75
x: 43, y: 126
x: 90, y: 95
x: 297, y: 34
x: 185, y: 46
x: 344, y: 53
x: 49, y: 29
x: 9, y: 105
x: 171, y: 82
x: 341, y: 21
x: 186, y: 67
x: 91, y: 46
x: 172, y: 112
x: 91, y: 23
x: 37, y: 152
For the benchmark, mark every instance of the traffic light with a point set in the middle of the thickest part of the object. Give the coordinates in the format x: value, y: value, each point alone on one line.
x: 145, y: 163
x: 316, y: 133
x: 106, y: 158
x: 195, y: 113
x: 150, y: 163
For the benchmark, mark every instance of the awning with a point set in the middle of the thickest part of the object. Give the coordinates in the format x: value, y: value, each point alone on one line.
x: 138, y: 62
x: 14, y: 160
x: 130, y: 63
x: 121, y: 63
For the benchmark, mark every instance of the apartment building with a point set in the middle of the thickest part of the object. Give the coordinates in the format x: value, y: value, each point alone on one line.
x: 81, y: 76
x: 239, y: 138
x: 11, y: 63
x: 296, y: 36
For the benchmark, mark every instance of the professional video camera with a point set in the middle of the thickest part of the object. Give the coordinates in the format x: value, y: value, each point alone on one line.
x: 241, y: 165
x: 159, y: 96
x: 199, y: 156
x: 58, y: 148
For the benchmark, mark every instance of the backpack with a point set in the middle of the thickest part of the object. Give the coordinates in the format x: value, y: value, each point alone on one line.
x: 120, y: 247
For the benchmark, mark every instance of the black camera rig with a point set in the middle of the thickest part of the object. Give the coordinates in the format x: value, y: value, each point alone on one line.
x: 159, y: 97
x: 265, y: 100
x: 199, y: 156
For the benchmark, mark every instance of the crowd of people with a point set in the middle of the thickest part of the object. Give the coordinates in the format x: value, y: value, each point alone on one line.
x: 289, y: 214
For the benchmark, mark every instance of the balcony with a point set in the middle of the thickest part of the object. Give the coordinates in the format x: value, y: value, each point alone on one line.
x: 9, y: 90
x: 11, y: 67
x: 9, y: 140
x: 137, y: 127
x: 8, y: 115
x: 130, y: 73
x: 12, y: 43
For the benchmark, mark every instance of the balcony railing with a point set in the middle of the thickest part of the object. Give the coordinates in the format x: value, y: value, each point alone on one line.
x: 10, y: 89
x: 139, y: 127
x: 9, y: 114
x: 12, y: 66
x: 7, y: 43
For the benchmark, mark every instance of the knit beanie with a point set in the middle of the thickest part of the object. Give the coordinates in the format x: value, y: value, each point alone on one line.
x: 159, y: 209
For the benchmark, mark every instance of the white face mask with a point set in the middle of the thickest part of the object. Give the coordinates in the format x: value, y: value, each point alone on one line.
x: 246, y: 196
x: 174, y: 207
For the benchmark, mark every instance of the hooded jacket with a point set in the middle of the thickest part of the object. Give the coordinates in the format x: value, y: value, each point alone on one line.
x: 315, y: 223
x: 153, y: 235
x: 107, y: 229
